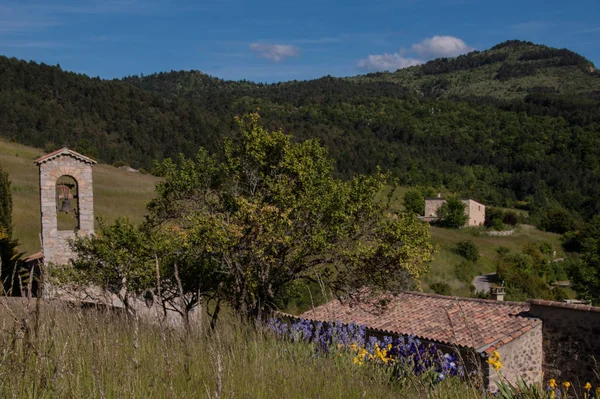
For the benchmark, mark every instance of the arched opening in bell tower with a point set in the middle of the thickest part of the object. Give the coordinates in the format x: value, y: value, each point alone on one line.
x: 67, y: 204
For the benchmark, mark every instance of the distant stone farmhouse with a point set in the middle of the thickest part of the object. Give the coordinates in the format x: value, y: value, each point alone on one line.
x: 474, y: 210
x: 533, y: 338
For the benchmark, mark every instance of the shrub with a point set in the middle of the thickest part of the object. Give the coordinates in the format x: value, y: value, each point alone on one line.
x: 441, y: 288
x: 414, y: 202
x: 465, y: 271
x: 119, y: 163
x: 468, y: 250
x: 510, y: 218
x: 557, y: 220
x: 546, y: 248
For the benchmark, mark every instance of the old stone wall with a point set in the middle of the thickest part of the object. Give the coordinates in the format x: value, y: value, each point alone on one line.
x: 54, y: 242
x: 473, y: 209
x: 432, y: 206
x: 571, y: 341
x: 521, y: 358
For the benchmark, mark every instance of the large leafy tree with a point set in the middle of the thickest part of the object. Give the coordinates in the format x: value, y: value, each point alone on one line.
x: 271, y: 213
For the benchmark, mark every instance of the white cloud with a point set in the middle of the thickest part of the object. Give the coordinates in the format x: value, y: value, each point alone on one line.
x: 441, y: 46
x: 433, y: 47
x: 387, y: 62
x: 275, y: 52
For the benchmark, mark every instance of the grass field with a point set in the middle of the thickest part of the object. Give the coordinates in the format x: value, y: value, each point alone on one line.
x: 116, y: 192
x: 444, y: 264
x: 65, y: 352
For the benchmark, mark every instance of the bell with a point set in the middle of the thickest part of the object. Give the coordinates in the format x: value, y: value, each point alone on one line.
x: 66, y: 206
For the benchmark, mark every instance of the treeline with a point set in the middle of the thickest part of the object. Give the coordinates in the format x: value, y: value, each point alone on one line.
x: 557, y: 57
x: 461, y: 63
x: 43, y: 106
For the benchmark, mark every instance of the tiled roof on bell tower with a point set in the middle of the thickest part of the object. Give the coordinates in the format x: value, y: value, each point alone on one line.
x: 62, y: 152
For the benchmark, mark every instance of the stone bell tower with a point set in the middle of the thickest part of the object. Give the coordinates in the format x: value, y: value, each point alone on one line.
x: 67, y: 202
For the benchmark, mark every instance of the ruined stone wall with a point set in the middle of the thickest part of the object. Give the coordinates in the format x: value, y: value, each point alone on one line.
x: 571, y: 341
x: 521, y: 358
x: 54, y: 242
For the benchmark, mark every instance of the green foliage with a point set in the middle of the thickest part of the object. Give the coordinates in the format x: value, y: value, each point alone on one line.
x: 468, y: 250
x: 12, y: 273
x: 546, y: 248
x: 452, y: 213
x: 510, y: 218
x: 5, y: 203
x: 441, y: 288
x: 414, y: 202
x: 584, y: 272
x: 526, y: 275
x: 557, y: 220
x: 102, y: 354
x: 117, y: 259
x: 465, y: 271
x: 271, y: 214
x: 535, y: 134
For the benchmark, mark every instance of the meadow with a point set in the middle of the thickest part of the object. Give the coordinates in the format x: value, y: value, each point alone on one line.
x: 52, y: 349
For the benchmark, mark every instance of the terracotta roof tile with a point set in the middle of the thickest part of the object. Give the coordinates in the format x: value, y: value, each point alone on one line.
x: 542, y: 302
x: 64, y: 151
x: 474, y: 323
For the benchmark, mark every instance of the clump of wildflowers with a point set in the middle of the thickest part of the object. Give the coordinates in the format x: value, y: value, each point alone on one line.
x: 401, y: 356
x: 495, y: 360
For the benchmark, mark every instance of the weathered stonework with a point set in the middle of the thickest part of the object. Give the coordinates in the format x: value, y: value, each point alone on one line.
x: 64, y: 162
x: 474, y: 210
x: 522, y: 359
x: 571, y: 341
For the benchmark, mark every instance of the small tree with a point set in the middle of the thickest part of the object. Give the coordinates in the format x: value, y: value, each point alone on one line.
x: 452, y: 213
x: 414, y: 202
x: 468, y: 250
x: 118, y: 259
x: 5, y: 204
x: 12, y: 273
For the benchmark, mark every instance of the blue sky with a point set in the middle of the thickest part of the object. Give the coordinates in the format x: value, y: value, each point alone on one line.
x: 272, y: 41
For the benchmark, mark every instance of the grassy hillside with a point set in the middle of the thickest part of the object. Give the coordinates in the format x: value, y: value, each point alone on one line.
x: 445, y: 262
x: 116, y: 192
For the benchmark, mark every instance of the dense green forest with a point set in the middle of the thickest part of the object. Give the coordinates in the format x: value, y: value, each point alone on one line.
x: 516, y: 125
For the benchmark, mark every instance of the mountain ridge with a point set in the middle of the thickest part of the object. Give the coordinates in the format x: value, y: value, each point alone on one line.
x: 526, y: 133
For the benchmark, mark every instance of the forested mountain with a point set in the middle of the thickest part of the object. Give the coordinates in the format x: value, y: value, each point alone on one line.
x: 516, y: 124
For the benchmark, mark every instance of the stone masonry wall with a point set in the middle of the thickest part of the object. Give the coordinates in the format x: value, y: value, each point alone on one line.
x: 571, y: 341
x: 54, y: 242
x: 521, y: 359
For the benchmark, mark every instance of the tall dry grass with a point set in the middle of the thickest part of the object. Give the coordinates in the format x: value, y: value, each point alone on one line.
x: 53, y: 350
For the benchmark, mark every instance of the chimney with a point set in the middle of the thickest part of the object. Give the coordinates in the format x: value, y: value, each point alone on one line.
x: 497, y: 293
x: 439, y: 195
